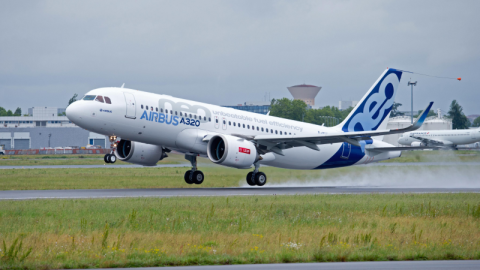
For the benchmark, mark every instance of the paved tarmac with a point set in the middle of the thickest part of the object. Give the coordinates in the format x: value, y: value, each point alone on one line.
x: 392, y: 164
x: 240, y: 191
x: 411, y: 265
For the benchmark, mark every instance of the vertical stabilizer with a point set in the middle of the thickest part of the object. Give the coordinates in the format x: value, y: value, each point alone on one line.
x: 373, y: 110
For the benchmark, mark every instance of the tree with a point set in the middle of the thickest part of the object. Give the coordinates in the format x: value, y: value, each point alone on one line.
x: 459, y: 120
x: 476, y: 122
x: 430, y: 113
x: 3, y: 112
x: 289, y: 109
x: 394, y: 112
x: 9, y: 113
x: 18, y: 112
x: 73, y: 99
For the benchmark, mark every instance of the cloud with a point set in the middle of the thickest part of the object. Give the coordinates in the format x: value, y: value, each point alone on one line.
x: 225, y: 51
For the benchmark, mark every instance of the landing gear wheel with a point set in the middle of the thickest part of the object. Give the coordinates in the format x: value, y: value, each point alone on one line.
x: 250, y: 180
x: 187, y: 177
x: 106, y: 158
x: 260, y: 179
x: 197, y: 177
x: 112, y: 158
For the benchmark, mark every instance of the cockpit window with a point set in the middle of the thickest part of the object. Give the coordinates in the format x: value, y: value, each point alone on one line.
x: 89, y: 97
x: 107, y: 100
x: 99, y: 99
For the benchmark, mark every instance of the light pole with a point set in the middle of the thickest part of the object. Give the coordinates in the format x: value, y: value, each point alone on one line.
x: 412, y: 84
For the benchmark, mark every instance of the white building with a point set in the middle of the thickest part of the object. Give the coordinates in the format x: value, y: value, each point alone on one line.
x: 345, y: 104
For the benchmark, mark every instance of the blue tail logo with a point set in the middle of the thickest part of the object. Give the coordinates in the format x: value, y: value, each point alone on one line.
x: 376, y: 105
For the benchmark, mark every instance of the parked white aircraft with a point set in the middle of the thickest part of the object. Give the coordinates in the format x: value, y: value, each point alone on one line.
x: 440, y: 138
x: 150, y: 125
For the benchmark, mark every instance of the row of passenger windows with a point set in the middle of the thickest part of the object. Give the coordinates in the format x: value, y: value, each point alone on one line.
x: 177, y: 113
x: 98, y: 98
x: 216, y: 120
x: 253, y: 127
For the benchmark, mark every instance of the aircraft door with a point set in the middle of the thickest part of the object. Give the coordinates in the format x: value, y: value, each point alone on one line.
x: 216, y: 122
x: 346, y: 148
x: 130, y: 103
x: 224, y: 123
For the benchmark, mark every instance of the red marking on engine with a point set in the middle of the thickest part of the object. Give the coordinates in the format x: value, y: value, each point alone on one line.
x: 244, y: 150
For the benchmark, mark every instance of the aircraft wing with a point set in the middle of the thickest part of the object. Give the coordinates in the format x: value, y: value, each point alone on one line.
x: 278, y: 142
x: 428, y: 141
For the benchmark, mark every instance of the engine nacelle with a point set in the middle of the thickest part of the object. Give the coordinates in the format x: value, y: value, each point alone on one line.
x: 232, y: 151
x: 417, y: 144
x: 139, y: 153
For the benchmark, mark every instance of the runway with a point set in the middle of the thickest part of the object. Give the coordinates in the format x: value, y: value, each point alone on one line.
x: 411, y: 265
x: 387, y: 164
x: 197, y: 192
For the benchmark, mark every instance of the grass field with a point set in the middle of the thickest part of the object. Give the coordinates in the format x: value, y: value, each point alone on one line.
x: 407, y: 156
x: 229, y: 230
x: 36, y: 160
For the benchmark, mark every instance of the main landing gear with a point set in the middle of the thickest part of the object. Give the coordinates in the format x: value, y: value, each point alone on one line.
x: 193, y: 176
x: 256, y: 178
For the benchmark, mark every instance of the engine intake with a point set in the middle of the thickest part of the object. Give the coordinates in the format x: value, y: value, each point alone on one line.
x: 139, y: 153
x: 232, y: 151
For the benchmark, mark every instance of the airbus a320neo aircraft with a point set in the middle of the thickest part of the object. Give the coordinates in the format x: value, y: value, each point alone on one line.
x: 150, y: 125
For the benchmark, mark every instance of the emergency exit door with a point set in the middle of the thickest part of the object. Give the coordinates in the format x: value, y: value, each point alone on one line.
x: 130, y: 103
x: 346, y: 148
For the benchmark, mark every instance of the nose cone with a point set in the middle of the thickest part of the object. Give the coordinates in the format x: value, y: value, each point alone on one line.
x: 73, y: 112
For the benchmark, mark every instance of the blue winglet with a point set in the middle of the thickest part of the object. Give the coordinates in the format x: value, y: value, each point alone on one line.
x: 422, y: 117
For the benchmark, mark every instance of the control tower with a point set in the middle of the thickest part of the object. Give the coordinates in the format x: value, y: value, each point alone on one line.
x: 305, y: 92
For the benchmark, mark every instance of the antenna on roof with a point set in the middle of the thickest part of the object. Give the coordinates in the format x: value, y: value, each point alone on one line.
x: 123, y: 85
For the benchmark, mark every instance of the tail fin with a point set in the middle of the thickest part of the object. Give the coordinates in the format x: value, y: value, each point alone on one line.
x: 372, y: 112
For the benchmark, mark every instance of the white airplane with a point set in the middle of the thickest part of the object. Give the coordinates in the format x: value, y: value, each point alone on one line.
x: 440, y: 138
x: 150, y: 125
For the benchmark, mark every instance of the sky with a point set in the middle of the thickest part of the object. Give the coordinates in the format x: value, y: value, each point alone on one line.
x: 229, y: 52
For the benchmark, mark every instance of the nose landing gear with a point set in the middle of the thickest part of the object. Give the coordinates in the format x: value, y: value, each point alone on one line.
x: 111, y: 158
x: 193, y: 176
x: 256, y: 178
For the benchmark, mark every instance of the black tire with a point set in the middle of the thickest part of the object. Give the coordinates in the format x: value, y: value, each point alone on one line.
x: 112, y: 158
x: 106, y: 158
x: 198, y: 177
x: 260, y: 179
x: 250, y: 180
x: 186, y: 177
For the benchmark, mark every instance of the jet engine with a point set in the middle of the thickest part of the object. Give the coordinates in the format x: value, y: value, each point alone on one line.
x: 232, y: 151
x: 417, y: 144
x: 139, y: 153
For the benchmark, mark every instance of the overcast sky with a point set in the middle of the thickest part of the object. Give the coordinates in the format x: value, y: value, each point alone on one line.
x: 228, y: 52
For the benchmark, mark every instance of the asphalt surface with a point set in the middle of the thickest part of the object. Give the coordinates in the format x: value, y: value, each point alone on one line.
x: 185, y: 192
x: 393, y: 164
x: 411, y: 265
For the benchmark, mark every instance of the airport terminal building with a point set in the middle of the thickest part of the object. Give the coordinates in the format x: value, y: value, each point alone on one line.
x: 44, y: 128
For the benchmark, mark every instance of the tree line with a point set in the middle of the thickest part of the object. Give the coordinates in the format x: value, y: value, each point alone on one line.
x: 330, y: 115
x: 4, y: 112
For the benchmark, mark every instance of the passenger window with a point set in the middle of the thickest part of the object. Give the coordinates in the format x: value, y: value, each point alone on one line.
x: 161, y: 110
x: 156, y: 109
x: 204, y: 118
x: 280, y: 132
x: 258, y: 129
x: 262, y: 128
x: 224, y: 122
x: 253, y: 128
x: 141, y: 106
x: 107, y: 100
x: 190, y: 115
x: 216, y: 121
x: 99, y: 99
x: 171, y: 112
x: 229, y: 123
x: 276, y: 132
x: 181, y: 114
x: 151, y: 108
x: 234, y: 124
x: 248, y: 126
x: 243, y: 125
x: 166, y: 111
x: 195, y: 116
x: 266, y: 130
x: 176, y: 113
x: 209, y: 119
